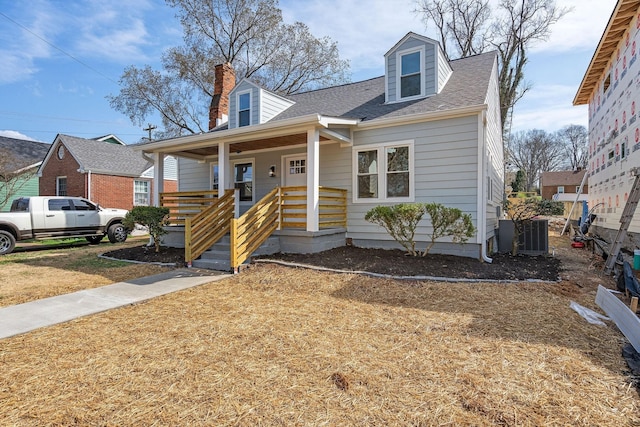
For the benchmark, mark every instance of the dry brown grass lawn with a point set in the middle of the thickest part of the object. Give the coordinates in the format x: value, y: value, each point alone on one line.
x: 27, y: 276
x: 281, y: 346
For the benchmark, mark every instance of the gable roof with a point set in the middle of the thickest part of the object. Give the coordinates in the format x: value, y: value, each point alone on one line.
x: 562, y: 178
x: 23, y: 153
x: 103, y: 157
x: 365, y: 100
x: 622, y: 15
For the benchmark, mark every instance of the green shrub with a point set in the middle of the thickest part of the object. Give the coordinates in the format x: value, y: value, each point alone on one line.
x: 152, y: 217
x: 401, y: 221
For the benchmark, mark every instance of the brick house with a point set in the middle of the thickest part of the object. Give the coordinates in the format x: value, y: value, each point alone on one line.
x: 104, y: 170
x: 563, y: 184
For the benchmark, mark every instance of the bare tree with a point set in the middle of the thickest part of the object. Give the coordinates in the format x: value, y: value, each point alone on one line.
x: 249, y: 34
x: 11, y: 181
x: 472, y: 27
x: 576, y: 150
x: 532, y: 152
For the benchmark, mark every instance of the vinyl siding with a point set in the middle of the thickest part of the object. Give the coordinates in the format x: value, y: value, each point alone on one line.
x: 193, y: 176
x: 271, y: 105
x: 233, y: 103
x: 23, y: 188
x: 170, y: 169
x: 494, y: 157
x: 445, y: 166
x: 430, y: 60
x: 444, y: 70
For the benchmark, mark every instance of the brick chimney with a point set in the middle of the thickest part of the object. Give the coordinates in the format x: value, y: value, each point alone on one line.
x: 225, y: 81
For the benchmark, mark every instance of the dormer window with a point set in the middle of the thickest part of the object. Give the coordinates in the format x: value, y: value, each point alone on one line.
x: 244, y: 109
x: 411, y: 73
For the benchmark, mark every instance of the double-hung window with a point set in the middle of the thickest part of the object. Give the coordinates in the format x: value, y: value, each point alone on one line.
x: 141, y: 192
x: 384, y: 172
x: 61, y: 186
x: 244, y: 109
x: 411, y: 75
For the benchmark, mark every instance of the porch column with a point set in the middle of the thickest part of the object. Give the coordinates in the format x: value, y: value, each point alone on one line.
x: 223, y: 168
x: 158, y: 177
x: 313, y: 179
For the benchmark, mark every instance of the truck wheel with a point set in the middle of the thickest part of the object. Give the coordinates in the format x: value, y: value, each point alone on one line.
x: 94, y: 240
x: 117, y: 233
x: 7, y: 242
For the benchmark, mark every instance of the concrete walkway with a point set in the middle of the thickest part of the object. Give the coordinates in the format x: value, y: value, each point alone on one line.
x: 21, y: 318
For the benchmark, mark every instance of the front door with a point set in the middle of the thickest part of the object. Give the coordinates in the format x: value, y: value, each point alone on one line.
x: 295, y: 171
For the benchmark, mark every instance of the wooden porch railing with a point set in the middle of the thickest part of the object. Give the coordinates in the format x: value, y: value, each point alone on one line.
x: 206, y: 228
x: 254, y: 227
x: 333, y: 207
x: 207, y: 218
x: 184, y: 204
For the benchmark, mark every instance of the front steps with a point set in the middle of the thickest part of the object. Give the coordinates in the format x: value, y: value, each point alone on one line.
x: 218, y: 256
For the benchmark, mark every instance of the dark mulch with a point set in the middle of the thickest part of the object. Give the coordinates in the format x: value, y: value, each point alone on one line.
x: 397, y: 263
x: 392, y: 262
x: 144, y: 253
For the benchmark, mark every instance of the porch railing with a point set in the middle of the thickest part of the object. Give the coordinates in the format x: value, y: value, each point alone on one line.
x: 207, y: 227
x: 333, y: 207
x: 184, y: 204
x: 207, y: 218
x: 254, y: 227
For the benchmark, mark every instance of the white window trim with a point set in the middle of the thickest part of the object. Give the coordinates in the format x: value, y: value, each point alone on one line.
x: 399, y: 56
x: 58, y: 185
x: 148, y: 191
x: 238, y: 94
x: 560, y: 187
x: 253, y: 176
x: 382, y: 172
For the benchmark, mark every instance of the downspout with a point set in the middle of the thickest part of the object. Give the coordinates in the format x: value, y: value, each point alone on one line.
x: 482, y: 203
x: 89, y: 185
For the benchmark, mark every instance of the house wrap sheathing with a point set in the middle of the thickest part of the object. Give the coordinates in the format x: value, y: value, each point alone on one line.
x: 611, y: 88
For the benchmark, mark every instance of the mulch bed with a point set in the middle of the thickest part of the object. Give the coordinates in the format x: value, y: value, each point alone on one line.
x: 391, y: 262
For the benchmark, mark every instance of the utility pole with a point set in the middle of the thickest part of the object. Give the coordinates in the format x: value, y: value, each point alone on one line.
x: 149, y: 128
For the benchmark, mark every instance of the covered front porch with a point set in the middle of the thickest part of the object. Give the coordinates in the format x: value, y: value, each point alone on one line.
x: 246, y: 198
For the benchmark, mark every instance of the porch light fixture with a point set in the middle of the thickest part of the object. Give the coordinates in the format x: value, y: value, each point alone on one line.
x: 272, y: 171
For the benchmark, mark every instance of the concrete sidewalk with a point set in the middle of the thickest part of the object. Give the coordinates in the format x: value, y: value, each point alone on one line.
x: 21, y: 318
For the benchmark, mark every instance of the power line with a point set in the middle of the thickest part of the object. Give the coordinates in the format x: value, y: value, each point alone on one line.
x: 59, y: 49
x: 40, y: 116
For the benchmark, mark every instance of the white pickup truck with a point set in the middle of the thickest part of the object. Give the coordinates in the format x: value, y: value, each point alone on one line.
x: 58, y: 216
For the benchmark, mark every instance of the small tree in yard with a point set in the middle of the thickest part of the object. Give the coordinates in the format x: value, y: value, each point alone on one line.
x: 152, y: 217
x: 401, y: 222
x: 521, y: 213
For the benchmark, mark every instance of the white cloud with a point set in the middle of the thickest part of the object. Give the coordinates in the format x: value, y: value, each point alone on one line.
x: 364, y: 31
x: 580, y: 28
x: 16, y: 135
x: 22, y: 47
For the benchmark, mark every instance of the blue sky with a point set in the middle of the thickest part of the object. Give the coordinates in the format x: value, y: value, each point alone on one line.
x: 61, y: 58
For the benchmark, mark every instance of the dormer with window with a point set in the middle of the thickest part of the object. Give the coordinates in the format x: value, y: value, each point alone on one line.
x: 415, y: 68
x: 250, y: 104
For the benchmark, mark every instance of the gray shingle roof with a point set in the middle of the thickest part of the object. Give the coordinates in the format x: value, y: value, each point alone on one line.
x: 467, y: 86
x: 103, y: 157
x: 21, y: 152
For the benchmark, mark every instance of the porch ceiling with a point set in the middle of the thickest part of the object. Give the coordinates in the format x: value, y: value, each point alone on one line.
x: 246, y: 146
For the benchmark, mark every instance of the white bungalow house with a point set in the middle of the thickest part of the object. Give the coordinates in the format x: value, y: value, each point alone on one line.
x: 428, y: 130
